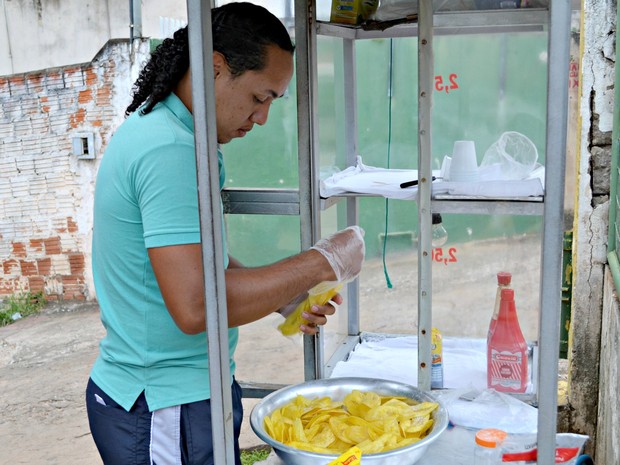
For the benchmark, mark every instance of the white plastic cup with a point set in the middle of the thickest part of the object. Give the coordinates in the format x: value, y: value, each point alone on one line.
x: 464, y: 165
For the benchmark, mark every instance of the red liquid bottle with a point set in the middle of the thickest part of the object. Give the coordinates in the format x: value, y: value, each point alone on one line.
x: 503, y: 282
x: 507, y: 350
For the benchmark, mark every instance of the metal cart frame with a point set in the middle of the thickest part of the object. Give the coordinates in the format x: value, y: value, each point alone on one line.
x: 307, y: 203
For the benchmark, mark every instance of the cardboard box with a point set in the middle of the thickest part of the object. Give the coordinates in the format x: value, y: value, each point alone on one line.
x: 352, y: 12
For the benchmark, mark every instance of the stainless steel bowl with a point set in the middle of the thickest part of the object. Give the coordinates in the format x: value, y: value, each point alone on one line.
x: 337, y: 389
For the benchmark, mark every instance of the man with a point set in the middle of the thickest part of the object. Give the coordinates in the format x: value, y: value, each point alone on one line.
x: 148, y: 395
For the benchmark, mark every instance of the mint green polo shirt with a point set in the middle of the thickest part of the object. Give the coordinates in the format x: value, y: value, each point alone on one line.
x: 146, y: 196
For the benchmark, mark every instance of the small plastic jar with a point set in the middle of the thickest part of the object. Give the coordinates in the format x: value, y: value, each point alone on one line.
x: 487, y: 450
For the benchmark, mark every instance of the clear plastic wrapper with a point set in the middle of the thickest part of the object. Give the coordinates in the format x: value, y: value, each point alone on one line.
x: 523, y: 449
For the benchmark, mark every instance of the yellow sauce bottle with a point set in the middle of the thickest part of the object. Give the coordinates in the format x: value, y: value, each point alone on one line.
x: 436, y: 360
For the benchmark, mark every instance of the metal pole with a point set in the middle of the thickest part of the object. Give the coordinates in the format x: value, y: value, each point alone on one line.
x: 425, y: 94
x: 135, y: 19
x: 307, y: 136
x: 351, y: 140
x: 551, y: 279
x: 203, y: 99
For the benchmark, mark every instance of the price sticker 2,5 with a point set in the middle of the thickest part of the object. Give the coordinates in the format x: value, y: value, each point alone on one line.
x: 451, y: 84
x: 439, y: 257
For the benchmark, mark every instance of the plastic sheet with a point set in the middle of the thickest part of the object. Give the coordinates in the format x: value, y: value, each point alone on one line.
x: 364, y: 179
x: 489, y: 409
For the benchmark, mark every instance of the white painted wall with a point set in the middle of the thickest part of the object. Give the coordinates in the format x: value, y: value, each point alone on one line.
x: 42, y: 34
x: 591, y: 215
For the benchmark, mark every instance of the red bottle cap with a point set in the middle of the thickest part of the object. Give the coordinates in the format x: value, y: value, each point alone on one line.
x: 503, y: 278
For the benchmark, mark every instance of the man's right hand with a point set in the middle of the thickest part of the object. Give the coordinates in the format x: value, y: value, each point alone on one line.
x: 344, y: 250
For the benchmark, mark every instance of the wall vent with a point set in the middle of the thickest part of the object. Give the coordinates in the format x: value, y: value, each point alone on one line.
x: 84, y: 146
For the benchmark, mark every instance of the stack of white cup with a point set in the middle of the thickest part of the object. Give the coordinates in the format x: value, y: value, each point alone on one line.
x: 464, y: 165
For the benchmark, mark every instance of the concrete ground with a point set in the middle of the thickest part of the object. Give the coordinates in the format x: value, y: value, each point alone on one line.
x: 45, y: 359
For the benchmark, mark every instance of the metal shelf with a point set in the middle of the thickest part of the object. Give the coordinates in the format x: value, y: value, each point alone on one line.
x: 257, y: 201
x: 263, y: 201
x: 450, y: 23
x: 555, y: 22
x: 530, y: 206
x: 526, y: 206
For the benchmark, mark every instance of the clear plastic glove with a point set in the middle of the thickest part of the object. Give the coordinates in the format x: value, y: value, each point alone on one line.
x: 289, y: 308
x: 344, y: 250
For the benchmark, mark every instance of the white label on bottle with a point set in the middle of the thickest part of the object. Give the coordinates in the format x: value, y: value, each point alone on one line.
x: 436, y: 371
x: 506, y: 369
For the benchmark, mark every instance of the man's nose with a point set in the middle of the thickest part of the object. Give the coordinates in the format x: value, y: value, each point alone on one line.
x: 260, y: 115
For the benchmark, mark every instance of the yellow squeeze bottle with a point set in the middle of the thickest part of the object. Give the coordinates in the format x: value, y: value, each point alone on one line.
x: 351, y: 457
x: 436, y: 359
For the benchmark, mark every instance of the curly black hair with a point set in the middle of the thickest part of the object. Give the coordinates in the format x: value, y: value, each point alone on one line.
x: 241, y: 33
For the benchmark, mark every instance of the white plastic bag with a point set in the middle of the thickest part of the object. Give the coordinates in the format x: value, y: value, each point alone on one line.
x: 514, y: 154
x: 490, y: 409
x: 395, y: 9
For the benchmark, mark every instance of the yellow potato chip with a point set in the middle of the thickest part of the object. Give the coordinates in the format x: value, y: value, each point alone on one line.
x: 374, y: 447
x: 324, y: 426
x: 324, y: 437
x: 407, y: 442
x: 415, y: 425
x: 320, y: 418
x: 358, y: 402
x: 298, y: 432
x: 310, y: 447
x: 385, y: 425
x: 269, y: 428
x: 339, y: 426
x: 424, y: 408
x: 338, y: 447
x: 311, y: 432
x: 402, y: 443
x: 291, y: 412
x: 421, y: 432
x: 357, y: 434
x: 406, y: 400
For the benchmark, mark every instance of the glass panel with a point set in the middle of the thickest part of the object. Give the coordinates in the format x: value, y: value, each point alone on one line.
x: 477, y: 98
x: 480, y: 92
x: 267, y: 156
x: 464, y: 285
x: 258, y: 240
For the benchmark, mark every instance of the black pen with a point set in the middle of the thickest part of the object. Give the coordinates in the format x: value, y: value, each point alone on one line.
x: 404, y: 185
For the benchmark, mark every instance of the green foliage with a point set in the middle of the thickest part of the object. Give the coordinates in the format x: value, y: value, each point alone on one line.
x: 250, y: 456
x: 23, y: 304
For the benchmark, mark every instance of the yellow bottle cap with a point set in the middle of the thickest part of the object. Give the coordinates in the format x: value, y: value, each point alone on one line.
x: 490, y: 437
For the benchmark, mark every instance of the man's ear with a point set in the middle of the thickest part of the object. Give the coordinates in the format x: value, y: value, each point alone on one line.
x: 219, y: 63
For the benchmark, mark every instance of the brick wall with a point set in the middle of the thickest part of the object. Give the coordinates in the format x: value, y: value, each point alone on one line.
x: 45, y: 189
